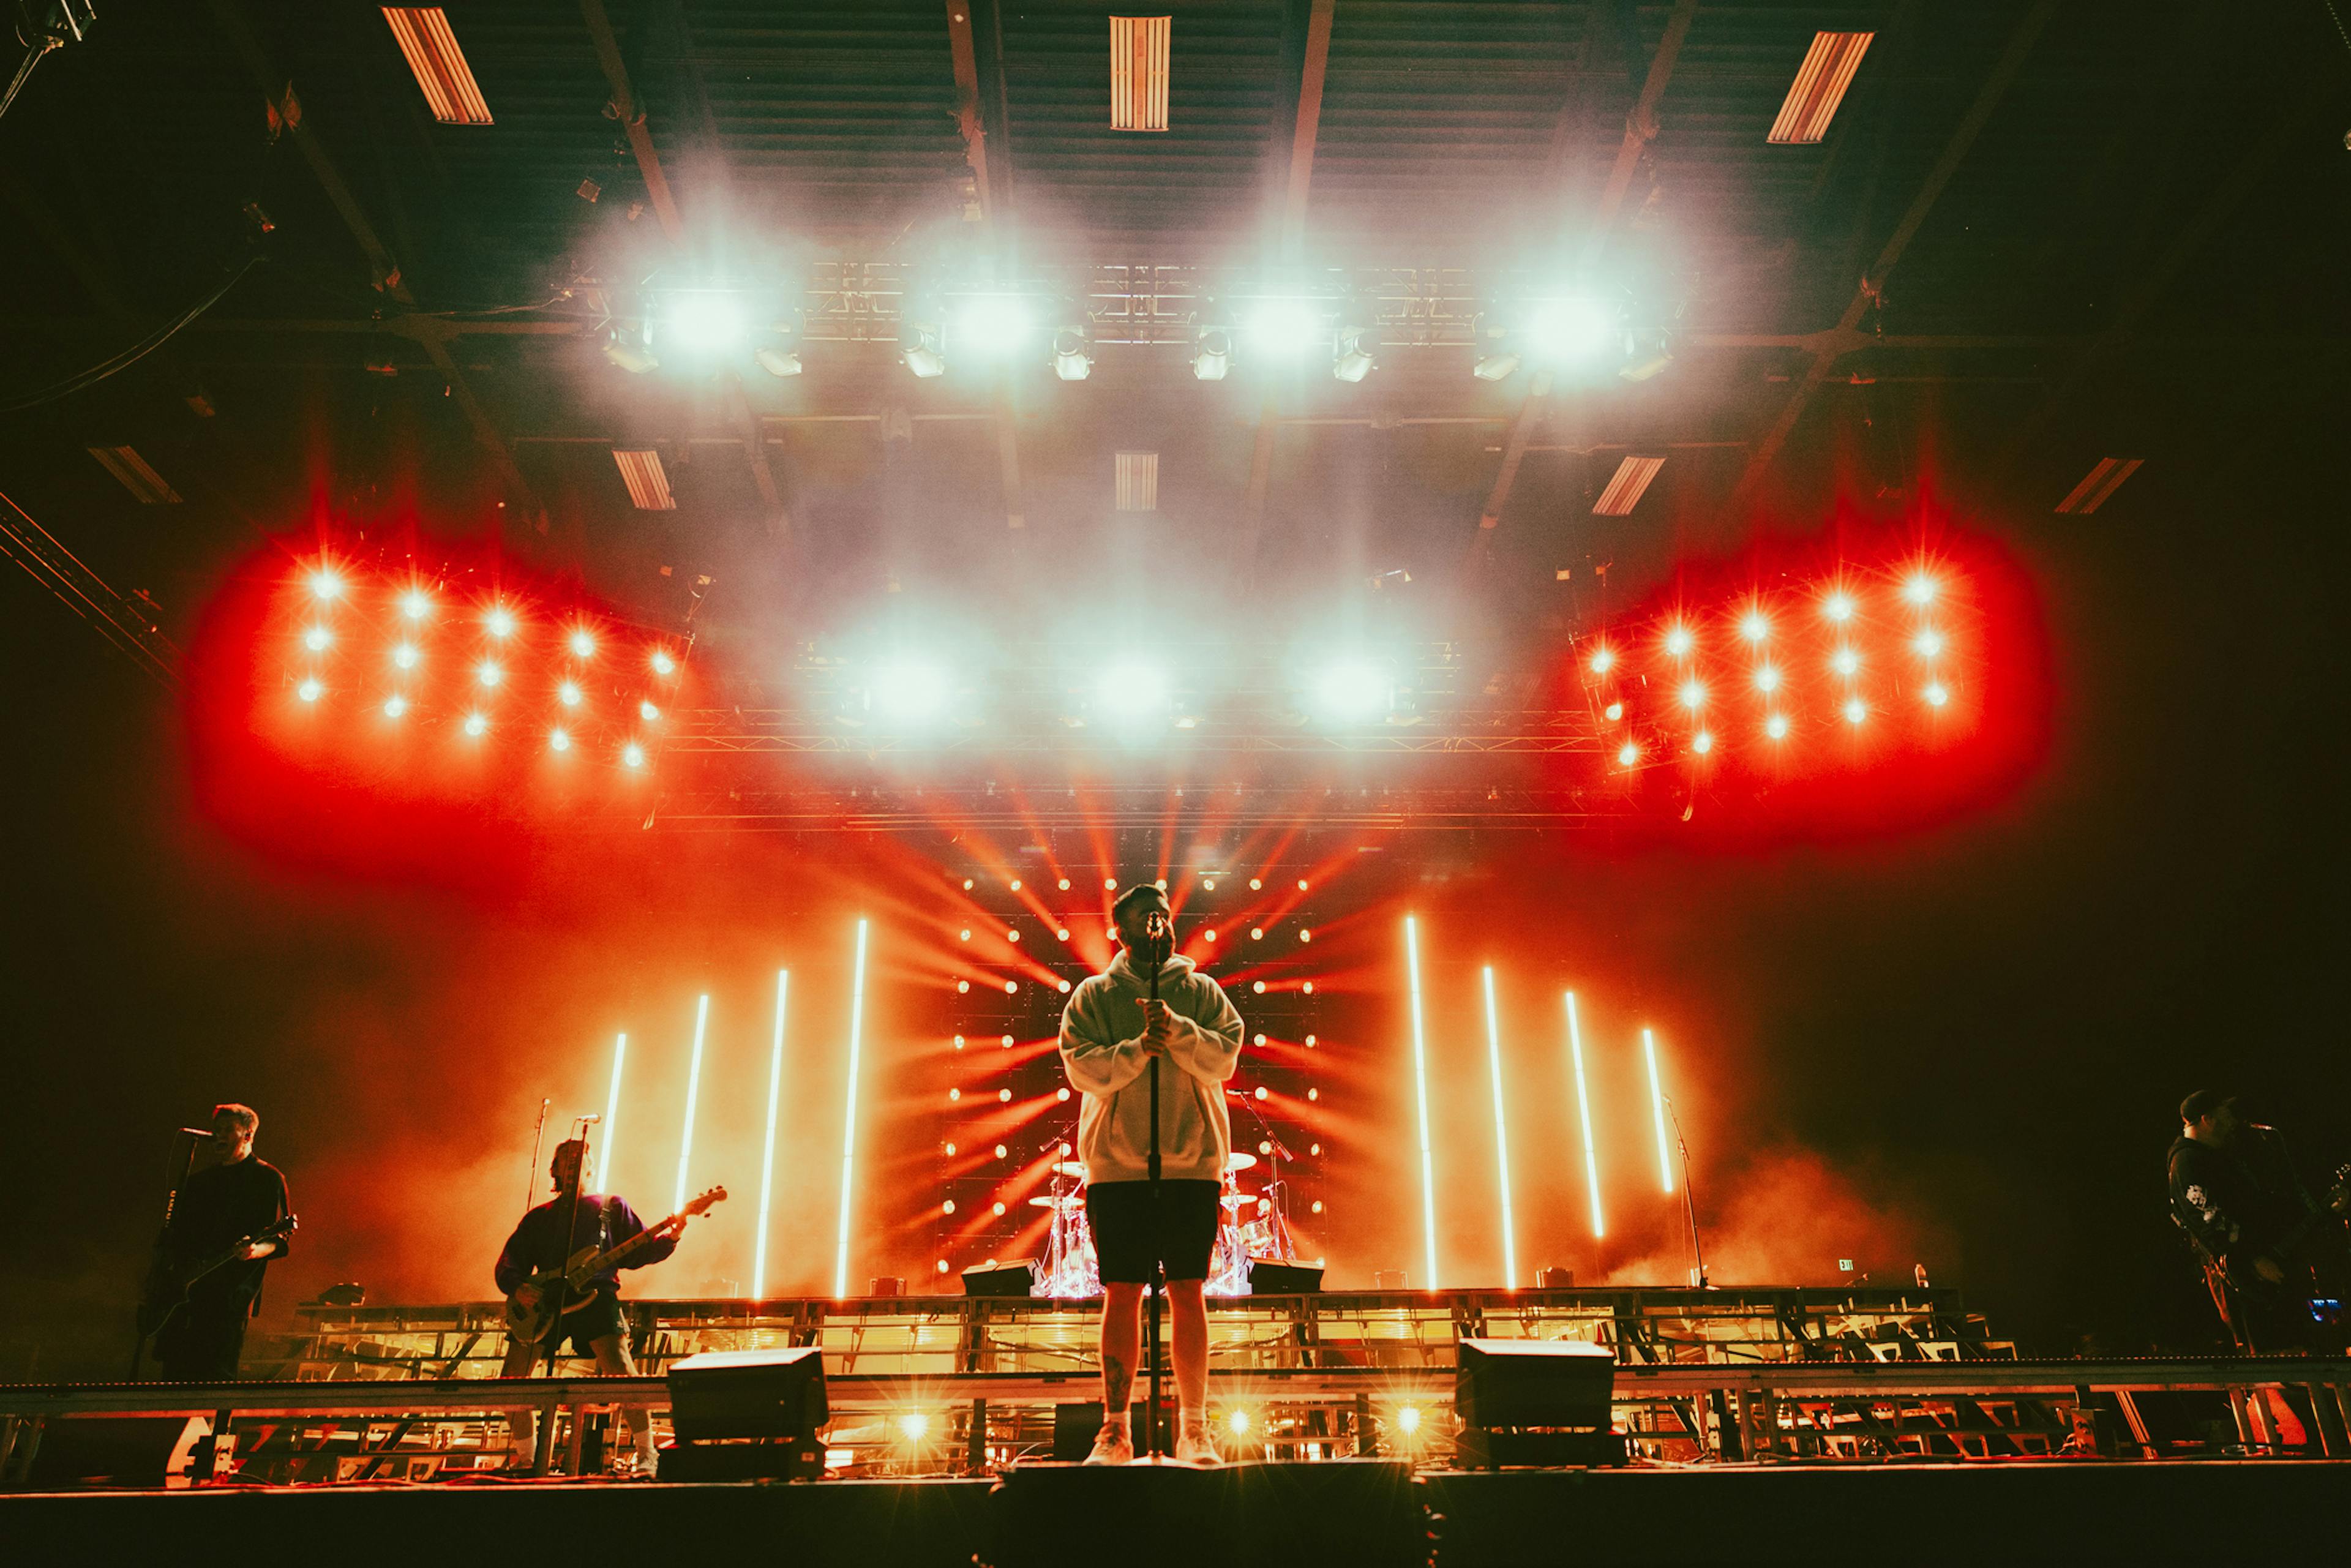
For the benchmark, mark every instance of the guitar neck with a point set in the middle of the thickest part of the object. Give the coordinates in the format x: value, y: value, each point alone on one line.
x: 646, y: 1237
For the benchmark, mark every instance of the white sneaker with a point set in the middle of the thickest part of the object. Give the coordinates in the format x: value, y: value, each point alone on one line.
x: 1193, y: 1446
x: 1112, y: 1445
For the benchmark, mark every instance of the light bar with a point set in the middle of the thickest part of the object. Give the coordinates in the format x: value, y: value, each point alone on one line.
x: 1501, y: 1137
x: 137, y: 475
x: 1138, y: 72
x: 1625, y: 490
x: 1583, y: 1115
x: 2097, y: 487
x: 848, y: 1120
x: 768, y: 1156
x: 1658, y: 1112
x: 612, y: 1107
x: 1138, y: 481
x: 1420, y: 1079
x: 640, y: 470
x: 1819, y: 87
x: 692, y: 1089
x: 439, y: 64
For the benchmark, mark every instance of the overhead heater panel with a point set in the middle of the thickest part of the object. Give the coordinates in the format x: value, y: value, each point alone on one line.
x: 1820, y: 87
x: 1138, y: 481
x: 450, y: 90
x: 1627, y: 487
x: 640, y: 470
x: 1138, y: 72
x: 2098, y: 486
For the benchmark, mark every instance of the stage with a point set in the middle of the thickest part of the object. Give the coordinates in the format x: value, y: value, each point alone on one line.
x: 1362, y: 1514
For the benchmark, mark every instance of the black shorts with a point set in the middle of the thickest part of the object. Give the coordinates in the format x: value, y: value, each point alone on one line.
x: 600, y: 1317
x: 1130, y: 1238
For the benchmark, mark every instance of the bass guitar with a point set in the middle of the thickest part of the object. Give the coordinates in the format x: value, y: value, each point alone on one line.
x: 533, y: 1321
x: 168, y: 1284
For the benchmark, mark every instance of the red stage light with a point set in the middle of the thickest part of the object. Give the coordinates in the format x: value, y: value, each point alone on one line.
x: 1928, y: 643
x: 1921, y: 590
x: 326, y: 585
x: 1846, y: 662
x: 1936, y: 694
x: 583, y: 646
x: 317, y: 639
x: 1110, y: 884
x: 1702, y: 743
x: 632, y: 755
x: 415, y: 605
x: 1679, y: 641
x: 569, y: 694
x: 1855, y: 711
x: 499, y: 621
x: 475, y: 724
x: 1776, y: 727
x: 488, y: 674
x: 1838, y: 606
x: 1693, y: 694
x: 1753, y: 627
x: 404, y: 656
x: 1602, y: 661
x: 558, y: 741
x: 394, y: 706
x: 1767, y: 678
x: 310, y: 690
x: 1628, y: 754
x: 1614, y: 711
x: 646, y: 710
x: 662, y: 663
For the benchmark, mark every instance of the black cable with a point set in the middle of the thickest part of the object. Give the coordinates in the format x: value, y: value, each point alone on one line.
x: 134, y: 354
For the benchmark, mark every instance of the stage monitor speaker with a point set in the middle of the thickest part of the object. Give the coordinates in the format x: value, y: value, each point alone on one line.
x: 886, y: 1286
x: 1554, y: 1279
x: 1014, y: 1277
x: 734, y: 1394
x: 1550, y: 1383
x: 1268, y: 1278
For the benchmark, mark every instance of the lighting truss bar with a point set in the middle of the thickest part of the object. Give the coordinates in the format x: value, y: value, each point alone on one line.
x: 1658, y: 1112
x: 1138, y: 481
x: 1584, y: 1116
x: 1420, y: 1084
x: 640, y: 470
x: 1502, y: 1136
x: 450, y: 90
x: 849, y: 1118
x: 692, y: 1089
x: 1139, y: 49
x: 137, y: 475
x: 613, y: 1108
x: 768, y: 1154
x: 128, y: 625
x: 2098, y: 486
x: 1820, y: 86
x: 1626, y: 488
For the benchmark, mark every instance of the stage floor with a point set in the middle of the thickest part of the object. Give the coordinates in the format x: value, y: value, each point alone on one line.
x: 1361, y: 1514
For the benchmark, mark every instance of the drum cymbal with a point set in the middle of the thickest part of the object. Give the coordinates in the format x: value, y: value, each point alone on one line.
x: 1238, y: 1199
x: 1055, y: 1200
x: 1070, y: 1168
x: 1240, y: 1161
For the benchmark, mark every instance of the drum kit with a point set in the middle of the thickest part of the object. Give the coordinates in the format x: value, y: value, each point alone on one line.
x: 1250, y: 1226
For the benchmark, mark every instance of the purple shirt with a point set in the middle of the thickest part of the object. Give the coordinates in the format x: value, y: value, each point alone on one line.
x: 602, y: 1223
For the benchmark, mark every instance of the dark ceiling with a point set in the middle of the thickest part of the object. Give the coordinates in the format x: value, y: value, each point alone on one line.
x: 2037, y: 235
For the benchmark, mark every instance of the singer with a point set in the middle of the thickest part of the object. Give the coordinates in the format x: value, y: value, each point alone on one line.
x: 218, y: 1212
x: 1110, y: 1034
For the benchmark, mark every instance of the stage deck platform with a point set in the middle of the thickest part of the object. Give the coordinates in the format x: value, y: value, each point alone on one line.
x: 1362, y: 1514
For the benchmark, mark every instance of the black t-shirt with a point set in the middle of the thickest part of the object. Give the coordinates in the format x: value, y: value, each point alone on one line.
x: 216, y: 1207
x: 2228, y: 1203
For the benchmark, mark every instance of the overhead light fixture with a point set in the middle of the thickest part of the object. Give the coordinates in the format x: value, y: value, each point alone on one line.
x: 1352, y: 691
x: 1284, y: 326
x: 1498, y: 350
x: 1626, y: 487
x: 137, y: 475
x: 1212, y: 353
x: 705, y: 321
x: 923, y: 355
x: 640, y: 470
x: 1138, y: 72
x: 1071, y: 360
x: 779, y: 353
x: 994, y: 324
x: 1569, y: 329
x: 777, y: 362
x: 2098, y: 486
x: 626, y: 347
x: 909, y: 691
x: 1646, y: 355
x: 450, y: 90
x: 1138, y: 482
x: 1819, y: 87
x: 1351, y: 358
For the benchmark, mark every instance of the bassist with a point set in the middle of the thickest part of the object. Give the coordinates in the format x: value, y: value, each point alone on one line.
x: 217, y: 1215
x: 592, y: 1324
x: 2255, y: 1226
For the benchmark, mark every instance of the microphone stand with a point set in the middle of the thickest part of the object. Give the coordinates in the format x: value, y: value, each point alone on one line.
x: 159, y: 1260
x: 1689, y: 1200
x: 1156, y: 942
x: 558, y: 1297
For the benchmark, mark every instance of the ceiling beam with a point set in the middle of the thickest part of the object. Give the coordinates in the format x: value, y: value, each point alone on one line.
x: 965, y: 56
x: 1640, y: 129
x: 1848, y: 335
x: 1290, y: 231
x: 430, y: 333
x: 632, y: 116
x: 970, y: 46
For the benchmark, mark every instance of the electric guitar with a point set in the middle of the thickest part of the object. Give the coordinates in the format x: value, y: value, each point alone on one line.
x: 535, y: 1323
x: 2300, y: 1248
x: 168, y: 1284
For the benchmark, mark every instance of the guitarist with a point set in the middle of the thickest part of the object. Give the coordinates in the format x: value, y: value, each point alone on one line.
x: 593, y: 1328
x: 221, y: 1205
x: 2252, y: 1222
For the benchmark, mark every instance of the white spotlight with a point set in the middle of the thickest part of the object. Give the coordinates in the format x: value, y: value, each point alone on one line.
x: 1134, y: 693
x: 1285, y: 326
x: 1352, y: 361
x: 1354, y: 691
x: 1070, y: 361
x: 705, y: 322
x: 1495, y: 368
x: 923, y: 355
x: 1570, y: 328
x: 1212, y: 354
x: 778, y: 361
x: 909, y: 691
x: 994, y: 324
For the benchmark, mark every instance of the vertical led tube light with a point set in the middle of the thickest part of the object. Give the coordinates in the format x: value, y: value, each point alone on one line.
x: 1501, y: 1137
x: 1658, y: 1112
x: 849, y: 1122
x: 693, y: 1090
x: 613, y: 1108
x: 768, y: 1156
x: 1584, y: 1114
x: 1420, y: 1079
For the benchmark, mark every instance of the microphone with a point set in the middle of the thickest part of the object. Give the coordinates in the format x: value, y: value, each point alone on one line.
x: 2261, y: 1127
x: 197, y: 1132
x: 591, y: 1116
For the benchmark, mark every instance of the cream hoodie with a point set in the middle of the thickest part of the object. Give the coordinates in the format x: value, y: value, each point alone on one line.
x: 1102, y: 1051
